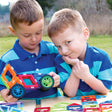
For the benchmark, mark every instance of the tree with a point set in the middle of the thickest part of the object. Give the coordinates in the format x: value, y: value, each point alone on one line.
x: 109, y: 3
x: 46, y: 5
x: 4, y: 9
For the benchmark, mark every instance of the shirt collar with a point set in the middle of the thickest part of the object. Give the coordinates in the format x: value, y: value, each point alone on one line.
x: 23, y: 54
x: 88, y: 56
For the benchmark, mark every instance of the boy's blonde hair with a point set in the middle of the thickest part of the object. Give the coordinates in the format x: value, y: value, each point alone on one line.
x: 25, y: 11
x: 63, y: 19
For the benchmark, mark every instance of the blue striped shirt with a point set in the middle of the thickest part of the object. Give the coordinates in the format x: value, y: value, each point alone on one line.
x: 24, y: 62
x: 99, y: 65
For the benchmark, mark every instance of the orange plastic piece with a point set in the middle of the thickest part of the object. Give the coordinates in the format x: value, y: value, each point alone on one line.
x: 14, y: 79
x: 88, y: 97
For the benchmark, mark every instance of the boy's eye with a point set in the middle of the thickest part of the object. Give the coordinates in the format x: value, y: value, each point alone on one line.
x: 38, y: 33
x: 58, y: 47
x: 67, y: 42
x: 28, y: 35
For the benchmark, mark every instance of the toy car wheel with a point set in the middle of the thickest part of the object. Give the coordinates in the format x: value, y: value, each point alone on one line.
x: 46, y: 82
x: 17, y: 91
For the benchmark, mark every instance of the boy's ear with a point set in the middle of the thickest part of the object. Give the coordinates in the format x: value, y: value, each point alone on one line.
x: 86, y: 33
x: 12, y: 30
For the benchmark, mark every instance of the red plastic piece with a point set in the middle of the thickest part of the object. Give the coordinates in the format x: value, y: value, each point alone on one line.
x: 73, y: 104
x: 31, y: 78
x: 88, y: 99
x: 92, y: 109
x: 42, y: 109
x: 105, y: 106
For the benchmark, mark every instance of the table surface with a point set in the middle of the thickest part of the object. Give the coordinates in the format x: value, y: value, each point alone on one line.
x: 52, y: 101
x: 30, y: 105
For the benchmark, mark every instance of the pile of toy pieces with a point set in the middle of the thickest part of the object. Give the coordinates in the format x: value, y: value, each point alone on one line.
x: 89, y: 104
x: 11, y: 107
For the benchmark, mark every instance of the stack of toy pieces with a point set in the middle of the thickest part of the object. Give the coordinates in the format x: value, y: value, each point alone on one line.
x: 11, y: 107
x: 90, y: 104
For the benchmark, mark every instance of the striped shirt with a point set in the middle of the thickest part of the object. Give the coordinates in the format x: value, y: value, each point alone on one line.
x: 24, y: 62
x: 99, y: 65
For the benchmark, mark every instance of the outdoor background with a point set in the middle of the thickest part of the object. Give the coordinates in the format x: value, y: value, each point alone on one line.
x: 96, y: 13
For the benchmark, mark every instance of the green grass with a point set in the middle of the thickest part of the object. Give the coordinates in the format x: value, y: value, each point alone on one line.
x: 7, y: 43
x: 103, y: 42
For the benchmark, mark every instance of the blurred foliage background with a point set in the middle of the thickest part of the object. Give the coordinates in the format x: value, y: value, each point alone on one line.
x: 96, y: 13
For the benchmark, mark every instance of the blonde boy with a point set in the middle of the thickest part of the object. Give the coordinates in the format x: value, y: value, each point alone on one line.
x: 30, y: 54
x: 91, y: 67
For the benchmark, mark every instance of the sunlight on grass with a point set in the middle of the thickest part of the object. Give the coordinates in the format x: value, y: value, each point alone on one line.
x: 102, y: 42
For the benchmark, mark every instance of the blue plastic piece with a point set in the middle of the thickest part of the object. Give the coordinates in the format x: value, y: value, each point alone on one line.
x: 76, y: 98
x: 78, y: 108
x: 79, y: 97
x: 89, y: 103
x: 17, y: 91
x: 108, y: 101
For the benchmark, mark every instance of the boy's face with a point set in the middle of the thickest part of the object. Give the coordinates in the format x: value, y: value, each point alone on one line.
x: 30, y: 36
x: 71, y: 43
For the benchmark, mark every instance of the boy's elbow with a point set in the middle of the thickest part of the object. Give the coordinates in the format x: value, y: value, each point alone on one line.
x: 70, y: 94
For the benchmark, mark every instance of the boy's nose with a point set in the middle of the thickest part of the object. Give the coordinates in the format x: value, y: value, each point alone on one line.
x: 33, y: 38
x: 64, y: 51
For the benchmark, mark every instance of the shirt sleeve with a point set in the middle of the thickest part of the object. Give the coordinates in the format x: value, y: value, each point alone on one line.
x: 63, y: 70
x: 2, y: 65
x: 105, y: 74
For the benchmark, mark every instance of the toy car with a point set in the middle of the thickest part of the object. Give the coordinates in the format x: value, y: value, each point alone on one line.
x: 18, y: 83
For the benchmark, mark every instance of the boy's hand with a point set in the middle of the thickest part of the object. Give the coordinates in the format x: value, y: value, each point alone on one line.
x: 70, y: 61
x: 5, y: 95
x: 81, y: 70
x: 56, y: 79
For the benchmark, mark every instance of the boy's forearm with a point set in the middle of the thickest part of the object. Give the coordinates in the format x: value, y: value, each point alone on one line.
x: 96, y: 84
x: 71, y: 86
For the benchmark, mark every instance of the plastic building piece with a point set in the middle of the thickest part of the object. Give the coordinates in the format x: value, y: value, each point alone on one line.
x: 76, y: 98
x: 90, y: 106
x: 15, y: 110
x: 106, y: 107
x: 75, y: 108
x: 108, y: 101
x: 4, y: 108
x: 42, y: 109
x: 17, y: 91
x: 18, y: 104
x: 14, y: 77
x: 73, y: 104
x: 18, y: 83
x: 107, y: 110
x: 100, y: 96
x: 88, y: 97
x: 92, y: 110
x: 30, y: 76
x: 46, y: 82
x: 79, y: 97
x: 89, y: 103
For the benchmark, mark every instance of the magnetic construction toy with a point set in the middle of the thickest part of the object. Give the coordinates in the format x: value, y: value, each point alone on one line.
x: 18, y: 83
